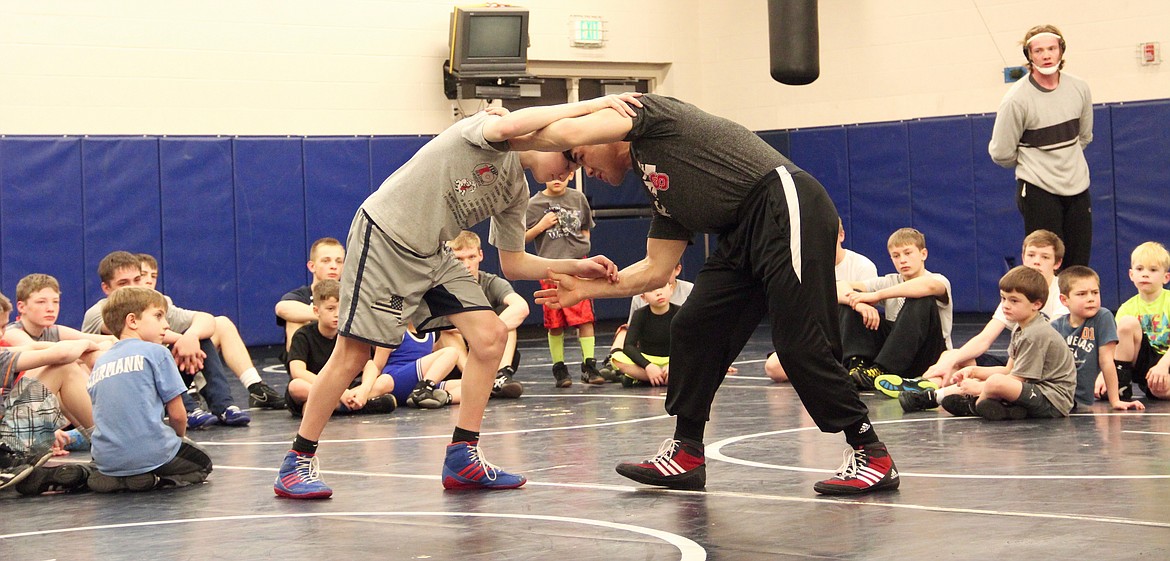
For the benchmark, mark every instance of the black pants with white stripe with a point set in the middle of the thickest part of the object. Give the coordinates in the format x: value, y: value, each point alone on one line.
x: 777, y: 261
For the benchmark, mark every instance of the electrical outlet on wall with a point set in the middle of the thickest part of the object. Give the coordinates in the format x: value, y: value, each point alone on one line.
x: 456, y: 113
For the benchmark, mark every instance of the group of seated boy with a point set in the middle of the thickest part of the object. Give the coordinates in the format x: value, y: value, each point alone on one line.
x: 112, y: 382
x: 1065, y: 350
x: 423, y: 371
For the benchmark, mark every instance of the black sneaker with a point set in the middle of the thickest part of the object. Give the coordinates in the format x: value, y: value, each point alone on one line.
x: 561, y: 373
x: 385, y: 403
x: 608, y: 372
x: 589, y: 373
x: 15, y: 466
x: 917, y: 401
x: 861, y: 375
x: 426, y: 395
x: 262, y: 395
x: 678, y: 465
x: 99, y: 482
x: 631, y: 382
x: 67, y: 478
x: 996, y: 410
x: 866, y: 378
x: 505, y: 386
x: 960, y: 405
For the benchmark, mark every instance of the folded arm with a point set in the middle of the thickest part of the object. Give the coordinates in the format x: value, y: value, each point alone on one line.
x: 531, y: 119
x: 601, y: 127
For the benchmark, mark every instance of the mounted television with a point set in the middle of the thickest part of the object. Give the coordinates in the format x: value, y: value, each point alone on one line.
x: 489, y: 41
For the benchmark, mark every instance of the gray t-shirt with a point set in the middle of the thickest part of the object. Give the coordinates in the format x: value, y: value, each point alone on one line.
x: 51, y: 334
x: 1043, y: 134
x: 178, y: 319
x: 893, y: 306
x: 697, y: 167
x: 8, y: 371
x: 566, y: 239
x: 454, y: 182
x: 496, y: 289
x: 1040, y: 356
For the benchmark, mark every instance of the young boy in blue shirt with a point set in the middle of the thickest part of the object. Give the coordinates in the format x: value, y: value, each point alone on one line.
x: 1091, y: 334
x: 132, y: 386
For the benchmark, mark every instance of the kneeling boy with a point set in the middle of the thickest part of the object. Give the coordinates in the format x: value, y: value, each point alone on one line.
x: 132, y: 386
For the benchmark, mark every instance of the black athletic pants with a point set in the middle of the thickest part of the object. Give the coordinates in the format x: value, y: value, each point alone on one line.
x: 906, y: 346
x: 777, y: 261
x: 189, y: 466
x: 1069, y: 217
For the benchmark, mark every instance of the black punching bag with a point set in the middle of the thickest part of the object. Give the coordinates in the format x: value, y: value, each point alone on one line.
x: 794, y: 42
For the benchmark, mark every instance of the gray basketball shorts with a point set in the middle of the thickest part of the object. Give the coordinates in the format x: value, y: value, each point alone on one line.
x: 385, y: 286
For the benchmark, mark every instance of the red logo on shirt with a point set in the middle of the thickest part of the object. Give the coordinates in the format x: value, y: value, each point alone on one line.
x: 486, y: 174
x: 659, y: 181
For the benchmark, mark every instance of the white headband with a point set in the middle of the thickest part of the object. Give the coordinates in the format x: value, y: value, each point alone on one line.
x: 1045, y: 34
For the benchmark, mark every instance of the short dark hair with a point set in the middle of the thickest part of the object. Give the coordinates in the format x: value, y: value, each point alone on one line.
x: 1067, y: 277
x: 1026, y: 281
x: 116, y: 261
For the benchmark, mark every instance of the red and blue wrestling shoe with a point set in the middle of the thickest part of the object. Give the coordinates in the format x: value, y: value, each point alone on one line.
x: 466, y: 468
x: 298, y: 478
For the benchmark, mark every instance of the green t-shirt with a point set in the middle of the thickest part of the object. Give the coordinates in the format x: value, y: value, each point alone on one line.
x: 1154, y: 317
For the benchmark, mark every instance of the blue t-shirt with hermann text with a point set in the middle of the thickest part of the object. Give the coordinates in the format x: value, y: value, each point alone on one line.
x: 130, y: 385
x: 1085, y: 342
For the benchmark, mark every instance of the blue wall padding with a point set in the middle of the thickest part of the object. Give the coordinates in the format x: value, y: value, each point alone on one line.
x: 388, y: 153
x: 1099, y: 154
x: 121, y: 200
x: 879, y: 188
x: 777, y: 139
x: 942, y: 200
x: 998, y: 226
x: 1141, y: 151
x: 198, y: 262
x: 631, y: 193
x: 337, y: 181
x: 40, y: 194
x: 270, y: 226
x: 824, y: 153
x: 231, y: 218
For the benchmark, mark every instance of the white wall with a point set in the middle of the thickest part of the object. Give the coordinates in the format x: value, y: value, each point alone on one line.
x: 885, y: 60
x: 372, y: 67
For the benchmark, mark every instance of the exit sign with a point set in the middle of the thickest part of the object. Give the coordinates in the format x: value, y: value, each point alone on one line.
x: 587, y: 31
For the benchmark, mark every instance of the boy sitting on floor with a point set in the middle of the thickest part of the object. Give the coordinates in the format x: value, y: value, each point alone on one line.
x: 309, y: 350
x: 645, y: 358
x: 133, y: 386
x: 1039, y: 378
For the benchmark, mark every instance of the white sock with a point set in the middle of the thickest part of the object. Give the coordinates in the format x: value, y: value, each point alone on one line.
x: 943, y: 392
x: 249, y: 377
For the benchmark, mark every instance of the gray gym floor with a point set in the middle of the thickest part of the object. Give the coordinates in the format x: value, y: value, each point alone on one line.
x: 1091, y: 486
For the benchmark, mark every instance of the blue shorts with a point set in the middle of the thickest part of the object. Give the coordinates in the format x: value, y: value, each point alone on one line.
x: 406, y: 377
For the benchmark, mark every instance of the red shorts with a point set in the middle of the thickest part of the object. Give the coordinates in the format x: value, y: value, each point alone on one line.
x: 577, y: 314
